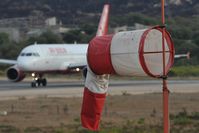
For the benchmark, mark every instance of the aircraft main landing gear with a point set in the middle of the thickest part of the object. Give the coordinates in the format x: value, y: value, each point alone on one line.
x: 38, y: 80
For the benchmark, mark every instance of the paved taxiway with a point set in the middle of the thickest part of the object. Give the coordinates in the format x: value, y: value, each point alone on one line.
x: 9, y: 90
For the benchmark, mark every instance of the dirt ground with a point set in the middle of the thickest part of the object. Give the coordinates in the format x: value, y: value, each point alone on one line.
x: 44, y: 112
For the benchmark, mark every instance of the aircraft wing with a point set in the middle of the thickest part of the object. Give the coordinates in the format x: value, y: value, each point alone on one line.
x: 10, y: 62
x: 183, y: 55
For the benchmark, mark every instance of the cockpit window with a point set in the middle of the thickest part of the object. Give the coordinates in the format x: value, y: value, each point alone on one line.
x: 29, y: 54
x: 22, y: 54
x: 35, y: 54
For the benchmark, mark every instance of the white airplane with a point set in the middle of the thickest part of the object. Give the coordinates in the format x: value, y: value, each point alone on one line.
x: 39, y: 59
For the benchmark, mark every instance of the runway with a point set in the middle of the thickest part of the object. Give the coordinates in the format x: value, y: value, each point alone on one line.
x: 9, y: 90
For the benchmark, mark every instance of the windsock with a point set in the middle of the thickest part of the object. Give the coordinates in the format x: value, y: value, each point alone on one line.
x: 129, y: 53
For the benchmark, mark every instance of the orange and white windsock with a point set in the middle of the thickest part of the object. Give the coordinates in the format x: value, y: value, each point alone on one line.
x: 95, y: 86
x: 130, y: 53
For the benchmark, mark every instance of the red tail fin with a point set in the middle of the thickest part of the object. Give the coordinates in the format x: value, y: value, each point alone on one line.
x: 103, y: 24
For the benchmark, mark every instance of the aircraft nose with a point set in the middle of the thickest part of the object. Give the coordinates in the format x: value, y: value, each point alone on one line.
x: 25, y: 64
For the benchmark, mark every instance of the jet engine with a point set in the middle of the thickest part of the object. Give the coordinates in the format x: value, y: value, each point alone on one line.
x: 14, y: 74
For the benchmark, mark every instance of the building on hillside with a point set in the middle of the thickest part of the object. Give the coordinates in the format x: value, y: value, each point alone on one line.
x: 23, y: 27
x: 51, y: 21
x: 136, y: 26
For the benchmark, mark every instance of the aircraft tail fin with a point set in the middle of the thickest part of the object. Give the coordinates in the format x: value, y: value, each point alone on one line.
x: 103, y: 24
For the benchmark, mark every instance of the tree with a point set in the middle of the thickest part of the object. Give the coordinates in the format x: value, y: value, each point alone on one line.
x: 47, y: 37
x: 4, y: 38
x: 79, y: 36
x: 72, y: 36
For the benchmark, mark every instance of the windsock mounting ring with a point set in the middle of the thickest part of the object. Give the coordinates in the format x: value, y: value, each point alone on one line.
x: 144, y: 55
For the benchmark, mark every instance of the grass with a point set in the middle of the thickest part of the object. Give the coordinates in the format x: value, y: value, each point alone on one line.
x: 182, y: 122
x: 9, y: 129
x: 184, y: 71
x: 125, y: 114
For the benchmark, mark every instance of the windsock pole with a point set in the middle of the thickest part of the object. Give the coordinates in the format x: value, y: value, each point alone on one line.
x: 164, y: 77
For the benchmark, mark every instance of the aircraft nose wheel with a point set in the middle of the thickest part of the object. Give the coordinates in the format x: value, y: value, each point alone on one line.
x: 38, y: 81
x: 33, y: 84
x: 44, y: 82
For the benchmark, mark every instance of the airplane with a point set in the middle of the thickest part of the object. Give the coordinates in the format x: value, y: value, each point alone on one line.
x: 39, y: 59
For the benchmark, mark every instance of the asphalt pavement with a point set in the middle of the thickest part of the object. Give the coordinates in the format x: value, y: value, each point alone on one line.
x: 75, y: 88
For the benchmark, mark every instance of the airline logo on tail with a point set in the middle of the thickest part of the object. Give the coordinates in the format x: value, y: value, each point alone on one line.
x: 103, y: 25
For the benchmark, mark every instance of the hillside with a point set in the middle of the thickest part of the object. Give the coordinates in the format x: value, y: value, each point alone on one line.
x: 71, y: 11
